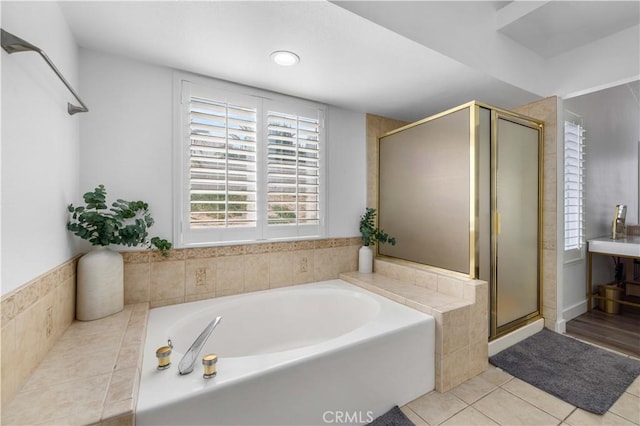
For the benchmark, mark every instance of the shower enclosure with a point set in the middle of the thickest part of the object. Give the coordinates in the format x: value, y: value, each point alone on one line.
x: 461, y: 191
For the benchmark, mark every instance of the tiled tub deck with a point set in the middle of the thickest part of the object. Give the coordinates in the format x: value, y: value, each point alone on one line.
x: 91, y: 375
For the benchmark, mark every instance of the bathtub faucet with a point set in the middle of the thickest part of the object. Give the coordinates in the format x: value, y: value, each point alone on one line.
x: 189, y: 359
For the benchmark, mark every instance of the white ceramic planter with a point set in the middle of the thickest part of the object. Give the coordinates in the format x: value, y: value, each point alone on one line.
x: 100, y: 286
x: 365, y: 260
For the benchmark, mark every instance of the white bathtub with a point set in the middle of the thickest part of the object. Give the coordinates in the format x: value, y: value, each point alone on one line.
x: 320, y: 353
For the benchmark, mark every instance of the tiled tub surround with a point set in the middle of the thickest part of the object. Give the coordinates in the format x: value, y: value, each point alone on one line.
x: 311, y: 348
x: 194, y: 274
x: 99, y: 361
x: 90, y: 376
x: 34, y: 317
x: 459, y: 306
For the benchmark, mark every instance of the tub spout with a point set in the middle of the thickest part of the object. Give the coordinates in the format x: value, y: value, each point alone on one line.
x: 188, y: 361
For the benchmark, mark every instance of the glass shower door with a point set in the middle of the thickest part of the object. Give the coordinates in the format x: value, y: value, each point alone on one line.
x: 515, y: 228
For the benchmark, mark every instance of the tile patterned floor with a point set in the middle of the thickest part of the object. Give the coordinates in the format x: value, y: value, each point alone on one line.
x: 497, y: 398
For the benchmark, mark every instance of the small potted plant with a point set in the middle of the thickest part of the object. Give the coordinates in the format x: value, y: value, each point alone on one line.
x: 100, y: 283
x: 370, y: 235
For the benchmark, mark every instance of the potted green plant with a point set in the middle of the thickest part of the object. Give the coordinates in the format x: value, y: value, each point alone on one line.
x: 370, y: 235
x: 100, y: 274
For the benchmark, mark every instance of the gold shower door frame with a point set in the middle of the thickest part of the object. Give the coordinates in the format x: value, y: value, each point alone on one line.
x: 476, y: 270
x: 496, y: 330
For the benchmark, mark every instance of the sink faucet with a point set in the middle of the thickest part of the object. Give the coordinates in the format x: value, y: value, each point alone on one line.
x: 188, y: 361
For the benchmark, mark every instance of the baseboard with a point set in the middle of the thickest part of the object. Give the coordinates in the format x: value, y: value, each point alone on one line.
x: 574, y: 311
x: 502, y: 343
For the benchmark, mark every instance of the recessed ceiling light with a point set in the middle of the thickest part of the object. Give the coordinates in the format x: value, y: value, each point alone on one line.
x: 285, y: 58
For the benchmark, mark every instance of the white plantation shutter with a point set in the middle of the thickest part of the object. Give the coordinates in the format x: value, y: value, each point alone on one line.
x: 574, y: 207
x: 222, y: 184
x: 293, y: 169
x: 250, y: 168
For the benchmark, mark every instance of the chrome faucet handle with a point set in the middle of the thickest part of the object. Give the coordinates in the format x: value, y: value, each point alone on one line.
x: 188, y: 361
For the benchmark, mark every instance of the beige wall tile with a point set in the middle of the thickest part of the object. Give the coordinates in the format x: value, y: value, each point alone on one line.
x: 64, y: 307
x: 478, y: 357
x: 9, y: 307
x: 33, y: 342
x: 137, y: 282
x: 455, y: 368
x: 49, y: 281
x: 450, y: 286
x: 197, y: 297
x: 201, y: 252
x: 167, y: 302
x: 9, y: 383
x: 405, y: 274
x: 256, y: 271
x: 438, y: 374
x: 302, y: 266
x: 200, y: 276
x: 138, y: 256
x: 427, y: 279
x: 347, y: 257
x: 124, y: 420
x: 27, y: 295
x: 178, y: 254
x: 167, y: 280
x: 325, y: 264
x: 232, y: 250
x: 439, y: 318
x: 119, y: 413
x: 280, y: 269
x: 376, y: 126
x: 479, y: 314
x: 229, y: 276
x: 455, y: 330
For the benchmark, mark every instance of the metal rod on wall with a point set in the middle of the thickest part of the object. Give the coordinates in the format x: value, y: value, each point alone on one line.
x: 13, y: 44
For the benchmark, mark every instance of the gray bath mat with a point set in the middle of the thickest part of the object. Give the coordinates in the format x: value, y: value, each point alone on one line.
x: 583, y: 375
x: 393, y: 417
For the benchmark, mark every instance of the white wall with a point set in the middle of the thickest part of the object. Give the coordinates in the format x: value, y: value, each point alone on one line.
x: 39, y: 144
x: 597, y: 65
x: 612, y: 123
x: 127, y: 142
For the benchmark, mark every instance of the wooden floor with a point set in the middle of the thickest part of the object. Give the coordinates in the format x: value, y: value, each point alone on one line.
x: 620, y: 332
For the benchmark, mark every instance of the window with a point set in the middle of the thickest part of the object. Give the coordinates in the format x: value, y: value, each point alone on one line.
x: 574, y: 188
x: 250, y: 165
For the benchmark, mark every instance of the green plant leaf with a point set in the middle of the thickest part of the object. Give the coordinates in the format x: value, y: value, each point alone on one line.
x: 125, y: 222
